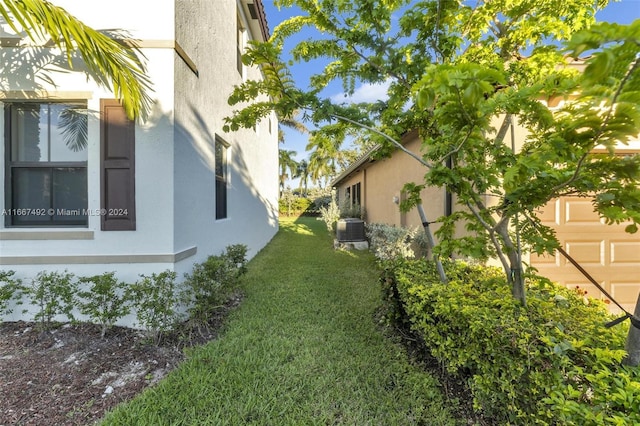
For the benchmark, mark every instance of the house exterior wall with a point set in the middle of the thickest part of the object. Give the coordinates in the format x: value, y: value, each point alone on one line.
x: 174, y: 162
x: 200, y: 108
x: 153, y: 153
x: 382, y: 182
x: 607, y: 252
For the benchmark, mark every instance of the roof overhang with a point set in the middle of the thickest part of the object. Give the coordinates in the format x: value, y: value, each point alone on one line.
x: 368, y: 158
x: 254, y: 9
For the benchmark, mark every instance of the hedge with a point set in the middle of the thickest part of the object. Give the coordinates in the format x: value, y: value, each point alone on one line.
x: 551, y: 362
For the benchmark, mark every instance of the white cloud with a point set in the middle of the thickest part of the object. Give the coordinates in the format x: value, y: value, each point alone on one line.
x: 367, y: 92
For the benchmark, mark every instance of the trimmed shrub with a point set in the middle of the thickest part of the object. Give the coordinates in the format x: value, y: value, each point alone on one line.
x: 9, y: 290
x: 392, y: 242
x: 293, y: 205
x: 53, y: 293
x: 155, y: 300
x: 551, y: 362
x: 103, y: 299
x: 211, y: 282
x: 330, y: 214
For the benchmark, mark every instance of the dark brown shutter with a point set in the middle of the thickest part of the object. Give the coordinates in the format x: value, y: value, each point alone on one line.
x: 117, y: 168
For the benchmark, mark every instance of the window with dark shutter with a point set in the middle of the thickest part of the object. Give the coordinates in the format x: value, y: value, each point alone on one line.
x: 117, y: 168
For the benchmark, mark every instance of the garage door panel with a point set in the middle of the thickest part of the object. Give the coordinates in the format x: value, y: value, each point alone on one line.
x: 545, y: 260
x: 625, y: 252
x: 580, y: 212
x: 610, y: 255
x: 588, y: 252
x: 626, y: 293
x: 550, y: 215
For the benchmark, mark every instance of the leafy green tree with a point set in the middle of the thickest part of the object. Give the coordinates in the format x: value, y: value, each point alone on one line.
x: 462, y: 74
x: 114, y: 64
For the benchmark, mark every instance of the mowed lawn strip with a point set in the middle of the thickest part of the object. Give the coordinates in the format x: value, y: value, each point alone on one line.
x: 302, y: 349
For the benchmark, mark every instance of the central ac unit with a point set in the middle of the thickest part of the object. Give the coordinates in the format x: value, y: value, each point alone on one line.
x: 350, y: 230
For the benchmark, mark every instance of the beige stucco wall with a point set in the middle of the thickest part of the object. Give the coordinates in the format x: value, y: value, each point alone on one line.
x: 381, y: 185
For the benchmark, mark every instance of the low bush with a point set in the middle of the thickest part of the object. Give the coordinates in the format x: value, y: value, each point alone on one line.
x: 209, y: 284
x: 53, y: 293
x: 159, y: 303
x: 551, y: 362
x: 103, y: 299
x: 9, y: 290
x: 392, y: 242
x: 155, y: 299
x: 330, y: 214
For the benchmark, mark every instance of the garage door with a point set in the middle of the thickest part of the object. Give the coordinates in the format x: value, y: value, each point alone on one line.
x: 609, y: 254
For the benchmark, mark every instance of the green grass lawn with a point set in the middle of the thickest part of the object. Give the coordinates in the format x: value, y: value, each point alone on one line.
x: 302, y: 349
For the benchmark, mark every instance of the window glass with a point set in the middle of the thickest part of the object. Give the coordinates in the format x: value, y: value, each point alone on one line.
x: 69, y: 194
x: 46, y: 164
x: 31, y: 189
x: 29, y: 139
x: 48, y: 132
x: 221, y: 180
x: 68, y: 132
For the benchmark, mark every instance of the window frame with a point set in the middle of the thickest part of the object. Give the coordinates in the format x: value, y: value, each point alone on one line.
x: 240, y: 45
x: 81, y: 218
x: 221, y: 196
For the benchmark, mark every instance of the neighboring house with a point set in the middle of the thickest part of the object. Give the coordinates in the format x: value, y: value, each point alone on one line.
x: 609, y: 254
x: 136, y: 198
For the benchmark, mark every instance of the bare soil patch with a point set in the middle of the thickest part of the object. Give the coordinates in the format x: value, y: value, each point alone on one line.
x: 72, y: 376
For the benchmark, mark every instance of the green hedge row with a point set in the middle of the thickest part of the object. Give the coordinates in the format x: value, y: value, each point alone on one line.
x: 159, y: 302
x: 551, y: 362
x: 295, y: 206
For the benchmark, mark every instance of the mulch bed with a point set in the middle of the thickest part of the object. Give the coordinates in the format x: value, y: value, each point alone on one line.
x: 72, y: 376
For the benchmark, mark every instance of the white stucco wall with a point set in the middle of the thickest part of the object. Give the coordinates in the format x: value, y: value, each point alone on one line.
x: 154, y: 158
x: 252, y: 156
x: 175, y: 168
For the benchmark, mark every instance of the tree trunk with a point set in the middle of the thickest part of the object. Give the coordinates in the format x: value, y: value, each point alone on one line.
x: 633, y: 341
x: 514, y: 274
x: 432, y: 244
x: 517, y: 279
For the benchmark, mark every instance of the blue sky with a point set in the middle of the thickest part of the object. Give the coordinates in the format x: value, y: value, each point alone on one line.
x: 624, y: 12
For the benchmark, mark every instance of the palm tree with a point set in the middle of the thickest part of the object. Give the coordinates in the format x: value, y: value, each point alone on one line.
x: 287, y: 162
x: 113, y: 64
x: 303, y: 174
x: 326, y: 157
x: 291, y: 123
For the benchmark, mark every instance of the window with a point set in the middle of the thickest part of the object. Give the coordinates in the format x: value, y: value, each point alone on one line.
x: 46, y: 164
x: 355, y: 194
x: 221, y: 179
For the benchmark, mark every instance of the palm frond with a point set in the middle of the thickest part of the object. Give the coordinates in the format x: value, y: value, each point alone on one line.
x: 73, y: 125
x: 119, y: 68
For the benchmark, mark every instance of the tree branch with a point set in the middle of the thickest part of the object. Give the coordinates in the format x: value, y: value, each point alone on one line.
x: 492, y: 235
x: 384, y: 135
x: 605, y: 121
